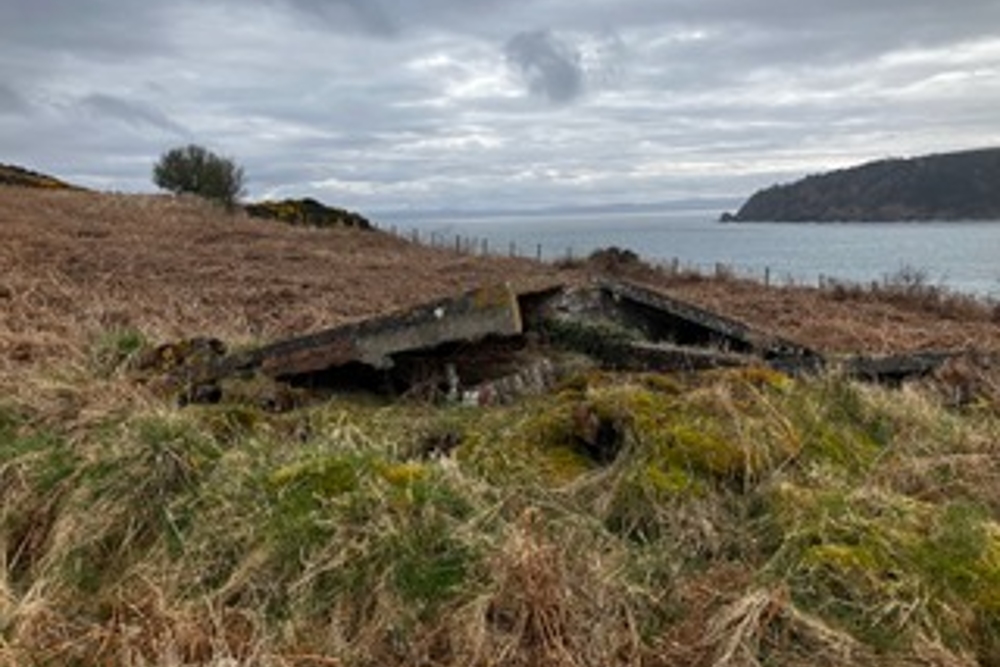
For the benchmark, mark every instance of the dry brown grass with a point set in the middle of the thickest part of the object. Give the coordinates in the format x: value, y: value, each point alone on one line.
x: 868, y: 322
x: 74, y: 265
x: 840, y: 318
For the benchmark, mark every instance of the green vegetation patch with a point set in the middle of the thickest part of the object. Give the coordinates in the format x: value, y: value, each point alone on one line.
x: 307, y: 212
x: 36, y: 472
x: 889, y: 568
x: 620, y: 517
x: 116, y: 350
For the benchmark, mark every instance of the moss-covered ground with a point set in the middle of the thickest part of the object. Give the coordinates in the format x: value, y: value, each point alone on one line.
x: 744, y: 518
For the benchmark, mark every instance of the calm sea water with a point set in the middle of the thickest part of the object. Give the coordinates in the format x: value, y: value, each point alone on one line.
x: 962, y: 256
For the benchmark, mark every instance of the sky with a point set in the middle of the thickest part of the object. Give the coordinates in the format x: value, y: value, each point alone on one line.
x: 408, y: 105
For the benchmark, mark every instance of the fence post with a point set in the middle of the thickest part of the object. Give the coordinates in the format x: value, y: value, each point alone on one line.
x: 538, y: 252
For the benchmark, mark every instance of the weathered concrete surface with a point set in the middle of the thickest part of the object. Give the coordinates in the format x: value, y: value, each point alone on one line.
x: 493, y: 345
x: 667, y: 319
x: 895, y: 368
x: 618, y: 325
x: 661, y: 357
x: 648, y: 329
x: 491, y: 311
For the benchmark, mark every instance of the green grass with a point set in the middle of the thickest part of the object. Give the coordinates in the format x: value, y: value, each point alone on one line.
x: 116, y: 349
x: 746, y: 516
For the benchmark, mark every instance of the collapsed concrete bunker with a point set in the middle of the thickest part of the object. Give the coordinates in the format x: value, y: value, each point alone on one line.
x: 494, y: 343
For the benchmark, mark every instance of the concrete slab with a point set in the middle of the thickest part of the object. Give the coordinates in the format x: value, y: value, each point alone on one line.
x: 491, y: 311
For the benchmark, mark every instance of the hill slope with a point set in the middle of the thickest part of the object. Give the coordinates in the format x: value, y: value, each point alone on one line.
x: 949, y: 186
x: 21, y: 177
x: 75, y: 266
x: 747, y: 517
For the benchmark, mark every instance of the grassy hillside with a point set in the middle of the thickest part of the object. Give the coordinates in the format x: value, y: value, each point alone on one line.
x: 748, y: 519
x: 75, y: 266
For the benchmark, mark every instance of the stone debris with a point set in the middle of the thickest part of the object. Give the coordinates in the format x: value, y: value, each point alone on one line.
x: 492, y: 346
x: 534, y: 379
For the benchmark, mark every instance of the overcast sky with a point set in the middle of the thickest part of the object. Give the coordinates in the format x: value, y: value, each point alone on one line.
x: 486, y: 104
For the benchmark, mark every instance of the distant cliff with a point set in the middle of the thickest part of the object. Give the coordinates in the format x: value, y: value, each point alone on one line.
x: 949, y: 186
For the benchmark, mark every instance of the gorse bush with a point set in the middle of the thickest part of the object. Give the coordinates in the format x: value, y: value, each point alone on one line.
x: 196, y: 170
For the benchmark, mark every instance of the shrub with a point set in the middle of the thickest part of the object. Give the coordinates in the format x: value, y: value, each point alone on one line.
x: 308, y: 212
x: 196, y: 170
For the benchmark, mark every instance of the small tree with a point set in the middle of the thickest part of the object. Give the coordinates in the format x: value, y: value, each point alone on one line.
x: 199, y: 171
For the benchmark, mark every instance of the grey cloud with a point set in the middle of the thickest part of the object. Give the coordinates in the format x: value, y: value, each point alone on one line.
x: 388, y: 102
x: 82, y: 149
x: 388, y: 18
x: 551, y: 67
x: 11, y: 103
x: 105, y: 28
x: 369, y: 15
x: 136, y: 114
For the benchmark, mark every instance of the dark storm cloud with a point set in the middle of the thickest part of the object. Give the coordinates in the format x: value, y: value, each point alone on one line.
x: 550, y: 66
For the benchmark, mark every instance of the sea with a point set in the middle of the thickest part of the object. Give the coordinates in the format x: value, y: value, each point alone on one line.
x: 959, y: 256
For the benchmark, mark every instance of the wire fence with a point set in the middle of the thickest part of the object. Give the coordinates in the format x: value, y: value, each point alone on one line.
x: 479, y: 246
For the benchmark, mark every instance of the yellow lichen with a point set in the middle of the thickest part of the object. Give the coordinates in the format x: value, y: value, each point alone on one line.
x: 403, y: 474
x: 328, y: 476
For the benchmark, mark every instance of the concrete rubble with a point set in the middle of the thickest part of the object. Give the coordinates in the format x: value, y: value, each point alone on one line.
x: 493, y: 345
